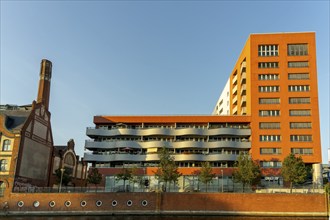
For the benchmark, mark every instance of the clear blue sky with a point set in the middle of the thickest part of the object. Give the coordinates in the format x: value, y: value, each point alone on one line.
x: 142, y: 57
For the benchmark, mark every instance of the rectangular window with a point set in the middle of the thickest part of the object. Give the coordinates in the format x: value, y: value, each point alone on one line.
x: 298, y: 76
x: 270, y: 164
x: 269, y: 100
x: 300, y: 112
x: 269, y: 125
x: 270, y: 138
x: 298, y: 64
x: 300, y: 125
x: 263, y: 65
x: 299, y: 88
x: 269, y: 113
x: 267, y: 50
x: 269, y: 88
x: 268, y: 76
x: 300, y: 138
x: 299, y: 100
x: 270, y: 150
x: 303, y: 151
x: 297, y: 49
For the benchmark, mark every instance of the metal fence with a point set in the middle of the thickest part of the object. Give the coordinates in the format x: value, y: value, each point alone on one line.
x: 161, y: 188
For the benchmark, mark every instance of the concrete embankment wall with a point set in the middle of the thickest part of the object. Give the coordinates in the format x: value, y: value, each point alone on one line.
x: 167, y: 203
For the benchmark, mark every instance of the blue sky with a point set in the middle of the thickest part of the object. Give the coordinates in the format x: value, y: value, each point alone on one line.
x: 142, y: 57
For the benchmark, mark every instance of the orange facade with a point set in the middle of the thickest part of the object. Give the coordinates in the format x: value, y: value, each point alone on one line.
x: 285, y: 78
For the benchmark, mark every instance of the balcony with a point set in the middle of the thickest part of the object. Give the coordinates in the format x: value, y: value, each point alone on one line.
x: 243, y: 67
x: 243, y: 89
x: 235, y: 80
x: 243, y: 77
x: 95, y: 132
x: 243, y: 100
x: 235, y: 100
x: 114, y: 145
x: 234, y: 91
x: 154, y: 157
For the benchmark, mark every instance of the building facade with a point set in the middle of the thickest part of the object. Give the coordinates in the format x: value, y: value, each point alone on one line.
x: 26, y: 139
x: 275, y: 82
x: 64, y: 157
x: 268, y: 107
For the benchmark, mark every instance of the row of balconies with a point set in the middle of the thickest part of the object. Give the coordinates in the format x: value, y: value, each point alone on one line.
x: 92, y: 145
x: 88, y: 157
x: 92, y: 132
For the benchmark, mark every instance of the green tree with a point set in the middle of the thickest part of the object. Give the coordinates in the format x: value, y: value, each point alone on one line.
x: 125, y: 174
x: 66, y: 178
x: 247, y: 171
x: 293, y: 170
x: 94, y: 177
x: 206, y: 175
x: 167, y: 171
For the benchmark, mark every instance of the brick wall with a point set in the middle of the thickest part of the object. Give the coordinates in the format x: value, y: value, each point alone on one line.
x: 150, y: 203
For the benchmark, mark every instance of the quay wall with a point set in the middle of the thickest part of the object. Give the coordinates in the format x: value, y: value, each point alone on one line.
x: 257, y: 204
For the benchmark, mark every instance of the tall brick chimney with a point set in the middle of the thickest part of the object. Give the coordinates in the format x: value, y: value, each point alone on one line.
x: 44, y: 82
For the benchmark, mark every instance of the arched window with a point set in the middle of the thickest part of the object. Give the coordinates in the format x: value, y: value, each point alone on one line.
x: 69, y: 159
x: 6, y: 145
x: 3, y: 165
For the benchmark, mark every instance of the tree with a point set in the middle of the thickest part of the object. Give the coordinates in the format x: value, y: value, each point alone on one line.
x: 247, y: 171
x: 167, y: 171
x: 125, y: 174
x: 66, y: 178
x: 293, y: 170
x: 94, y: 177
x: 206, y: 175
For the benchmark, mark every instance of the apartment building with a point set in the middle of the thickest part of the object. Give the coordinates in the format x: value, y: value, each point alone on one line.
x: 269, y: 107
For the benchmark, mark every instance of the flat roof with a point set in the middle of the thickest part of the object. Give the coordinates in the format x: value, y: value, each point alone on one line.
x: 172, y: 119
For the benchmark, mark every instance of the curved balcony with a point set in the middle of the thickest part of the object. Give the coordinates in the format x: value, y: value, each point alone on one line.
x: 92, y: 132
x: 92, y: 145
x: 154, y: 157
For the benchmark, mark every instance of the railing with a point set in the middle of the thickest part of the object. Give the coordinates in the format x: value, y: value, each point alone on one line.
x: 215, y: 188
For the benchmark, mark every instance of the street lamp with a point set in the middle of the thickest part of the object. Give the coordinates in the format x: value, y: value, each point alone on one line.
x: 222, y: 180
x: 62, y: 171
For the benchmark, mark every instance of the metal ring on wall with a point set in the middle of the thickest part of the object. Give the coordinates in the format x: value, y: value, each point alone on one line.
x: 52, y: 204
x: 129, y: 203
x: 20, y: 204
x: 144, y: 203
x: 114, y: 203
x: 83, y: 203
x: 98, y: 203
x: 67, y: 203
x: 36, y: 204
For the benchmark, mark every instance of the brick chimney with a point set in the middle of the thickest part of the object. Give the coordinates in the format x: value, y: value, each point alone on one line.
x: 44, y: 82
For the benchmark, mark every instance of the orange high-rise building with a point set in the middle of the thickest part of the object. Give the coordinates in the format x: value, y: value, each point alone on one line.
x: 275, y: 82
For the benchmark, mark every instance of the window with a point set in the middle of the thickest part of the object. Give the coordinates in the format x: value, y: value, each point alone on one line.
x: 269, y: 113
x: 270, y: 150
x: 300, y: 138
x: 3, y: 165
x: 270, y: 138
x: 300, y: 100
x: 297, y: 76
x: 263, y: 65
x: 299, y: 88
x: 6, y: 145
x: 268, y: 77
x: 304, y: 151
x: 271, y: 164
x: 267, y: 50
x: 269, y: 125
x: 300, y: 112
x: 300, y: 125
x: 297, y: 49
x: 269, y: 88
x: 269, y: 100
x: 298, y: 64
